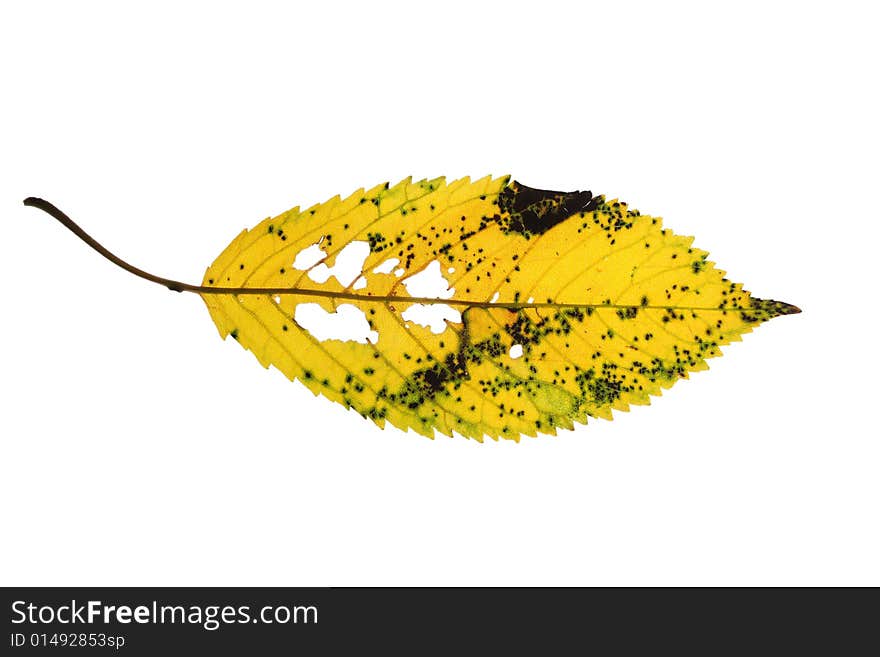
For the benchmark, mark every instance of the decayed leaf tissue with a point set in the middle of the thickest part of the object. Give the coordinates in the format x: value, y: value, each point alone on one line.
x: 554, y: 307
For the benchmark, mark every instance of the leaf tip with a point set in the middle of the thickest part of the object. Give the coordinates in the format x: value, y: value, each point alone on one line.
x: 776, y: 308
x: 763, y: 309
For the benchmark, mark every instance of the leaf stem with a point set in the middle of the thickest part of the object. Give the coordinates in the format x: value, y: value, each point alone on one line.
x: 74, y: 228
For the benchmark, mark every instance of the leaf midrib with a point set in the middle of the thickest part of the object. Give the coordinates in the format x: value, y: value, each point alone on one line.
x: 353, y: 296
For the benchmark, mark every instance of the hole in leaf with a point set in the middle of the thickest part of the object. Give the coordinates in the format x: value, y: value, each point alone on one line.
x: 516, y: 351
x: 432, y: 315
x: 347, y: 266
x: 386, y: 267
x: 428, y: 283
x: 308, y: 257
x: 360, y: 283
x: 348, y: 323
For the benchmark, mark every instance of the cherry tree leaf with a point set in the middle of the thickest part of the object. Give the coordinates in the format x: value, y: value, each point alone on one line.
x: 482, y: 308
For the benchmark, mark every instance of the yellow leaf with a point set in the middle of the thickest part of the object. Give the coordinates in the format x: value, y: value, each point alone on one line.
x: 605, y: 306
x: 547, y: 308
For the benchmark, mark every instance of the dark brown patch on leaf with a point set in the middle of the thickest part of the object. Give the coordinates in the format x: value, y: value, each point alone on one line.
x: 534, y: 211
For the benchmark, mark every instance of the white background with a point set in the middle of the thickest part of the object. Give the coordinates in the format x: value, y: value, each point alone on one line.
x: 139, y: 448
